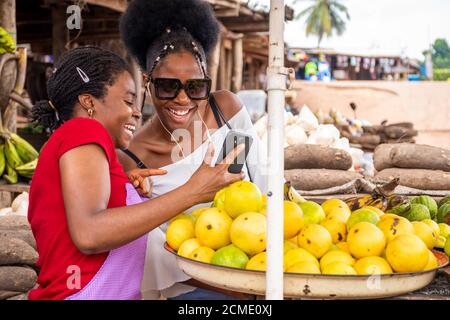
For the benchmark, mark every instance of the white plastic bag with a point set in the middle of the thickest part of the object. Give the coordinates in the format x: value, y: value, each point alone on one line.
x: 6, y: 211
x: 325, y: 135
x: 295, y: 134
x: 307, y: 120
x: 342, y: 144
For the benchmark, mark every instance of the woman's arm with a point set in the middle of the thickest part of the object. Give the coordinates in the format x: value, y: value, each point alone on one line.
x: 86, y: 191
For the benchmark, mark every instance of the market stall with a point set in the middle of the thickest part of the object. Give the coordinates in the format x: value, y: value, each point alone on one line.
x: 358, y: 218
x: 380, y: 244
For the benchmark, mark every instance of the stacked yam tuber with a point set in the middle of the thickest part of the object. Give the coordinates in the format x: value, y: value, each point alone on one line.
x: 373, y: 136
x: 417, y: 166
x: 314, y: 167
x: 18, y: 257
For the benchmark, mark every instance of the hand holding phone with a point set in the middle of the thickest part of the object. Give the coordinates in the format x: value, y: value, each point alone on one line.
x: 232, y: 140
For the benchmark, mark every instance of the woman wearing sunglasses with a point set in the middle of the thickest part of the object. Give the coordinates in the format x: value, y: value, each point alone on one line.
x: 90, y: 224
x: 171, y: 40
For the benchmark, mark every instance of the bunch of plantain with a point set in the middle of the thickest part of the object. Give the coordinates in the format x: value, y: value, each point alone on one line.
x: 290, y: 194
x: 374, y: 200
x: 6, y: 42
x: 382, y: 197
x: 17, y: 158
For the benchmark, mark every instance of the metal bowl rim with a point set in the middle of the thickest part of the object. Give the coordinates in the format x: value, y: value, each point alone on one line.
x: 350, y: 276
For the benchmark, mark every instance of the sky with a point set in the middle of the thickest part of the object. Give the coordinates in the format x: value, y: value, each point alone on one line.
x: 404, y: 27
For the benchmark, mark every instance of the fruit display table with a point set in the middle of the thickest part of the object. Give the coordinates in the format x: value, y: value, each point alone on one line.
x: 317, y: 286
x: 439, y: 289
x: 9, y: 191
x: 14, y: 188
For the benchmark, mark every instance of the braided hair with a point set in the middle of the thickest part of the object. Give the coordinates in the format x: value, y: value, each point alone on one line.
x: 153, y: 29
x: 84, y: 70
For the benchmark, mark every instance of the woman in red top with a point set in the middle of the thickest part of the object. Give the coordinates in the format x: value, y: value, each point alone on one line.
x: 89, y: 222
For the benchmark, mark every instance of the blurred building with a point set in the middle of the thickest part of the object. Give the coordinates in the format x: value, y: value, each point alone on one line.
x: 356, y: 65
x: 238, y: 62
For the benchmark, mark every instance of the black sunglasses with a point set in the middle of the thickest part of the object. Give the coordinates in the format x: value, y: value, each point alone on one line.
x: 169, y: 88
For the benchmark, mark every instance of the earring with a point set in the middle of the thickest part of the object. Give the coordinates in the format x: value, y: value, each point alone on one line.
x: 90, y: 113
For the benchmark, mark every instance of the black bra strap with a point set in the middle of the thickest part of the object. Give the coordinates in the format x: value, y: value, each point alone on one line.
x: 218, y: 115
x: 138, y: 161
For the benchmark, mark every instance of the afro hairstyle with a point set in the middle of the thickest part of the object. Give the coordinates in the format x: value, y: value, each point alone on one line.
x: 145, y: 22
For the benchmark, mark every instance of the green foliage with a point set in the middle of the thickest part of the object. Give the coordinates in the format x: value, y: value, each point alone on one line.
x: 441, y: 54
x: 33, y: 129
x: 441, y: 74
x: 324, y: 17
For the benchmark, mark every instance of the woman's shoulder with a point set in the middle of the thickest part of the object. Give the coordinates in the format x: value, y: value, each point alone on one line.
x: 81, y: 126
x: 80, y: 131
x: 228, y: 103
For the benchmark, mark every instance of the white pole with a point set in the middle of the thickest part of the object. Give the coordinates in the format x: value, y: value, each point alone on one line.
x: 276, y: 87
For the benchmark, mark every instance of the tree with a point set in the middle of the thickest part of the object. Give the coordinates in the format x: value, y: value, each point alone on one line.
x: 8, y: 72
x: 324, y: 17
x: 441, y: 54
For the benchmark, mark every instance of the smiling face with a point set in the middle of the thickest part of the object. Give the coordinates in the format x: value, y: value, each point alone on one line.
x: 118, y: 112
x: 177, y: 113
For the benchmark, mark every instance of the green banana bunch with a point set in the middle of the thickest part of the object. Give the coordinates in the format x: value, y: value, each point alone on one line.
x: 25, y: 150
x: 27, y: 170
x: 291, y: 194
x: 2, y: 159
x: 6, y: 42
x: 11, y: 175
x: 12, y: 156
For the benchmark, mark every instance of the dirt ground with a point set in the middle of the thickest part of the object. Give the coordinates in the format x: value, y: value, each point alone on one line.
x: 425, y: 104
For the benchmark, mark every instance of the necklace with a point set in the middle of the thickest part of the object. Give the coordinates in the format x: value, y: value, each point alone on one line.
x: 175, y: 140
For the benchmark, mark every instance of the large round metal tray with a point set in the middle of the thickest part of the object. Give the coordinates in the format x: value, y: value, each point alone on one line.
x: 311, y: 286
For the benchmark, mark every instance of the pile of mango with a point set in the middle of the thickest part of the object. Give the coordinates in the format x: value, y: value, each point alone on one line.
x: 325, y: 238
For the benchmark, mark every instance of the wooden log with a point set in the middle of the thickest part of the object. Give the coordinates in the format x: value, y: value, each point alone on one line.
x: 417, y: 178
x: 13, y: 222
x: 24, y: 235
x: 309, y: 156
x: 15, y: 251
x: 315, y: 179
x: 19, y: 279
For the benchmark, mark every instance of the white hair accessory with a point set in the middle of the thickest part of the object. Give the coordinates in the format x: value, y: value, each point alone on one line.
x: 83, y: 75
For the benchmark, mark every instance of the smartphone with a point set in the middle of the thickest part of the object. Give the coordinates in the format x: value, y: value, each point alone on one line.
x: 232, y: 140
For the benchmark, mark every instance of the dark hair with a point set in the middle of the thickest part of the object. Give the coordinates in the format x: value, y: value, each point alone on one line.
x: 152, y: 29
x: 84, y: 70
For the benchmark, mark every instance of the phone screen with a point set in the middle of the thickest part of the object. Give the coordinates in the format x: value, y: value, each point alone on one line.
x: 232, y: 140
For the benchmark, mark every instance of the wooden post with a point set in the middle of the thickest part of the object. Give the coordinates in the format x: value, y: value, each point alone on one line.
x: 213, y: 66
x: 229, y: 68
x: 222, y: 66
x: 10, y: 115
x: 60, y: 33
x: 137, y: 76
x: 8, y: 75
x: 238, y: 64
